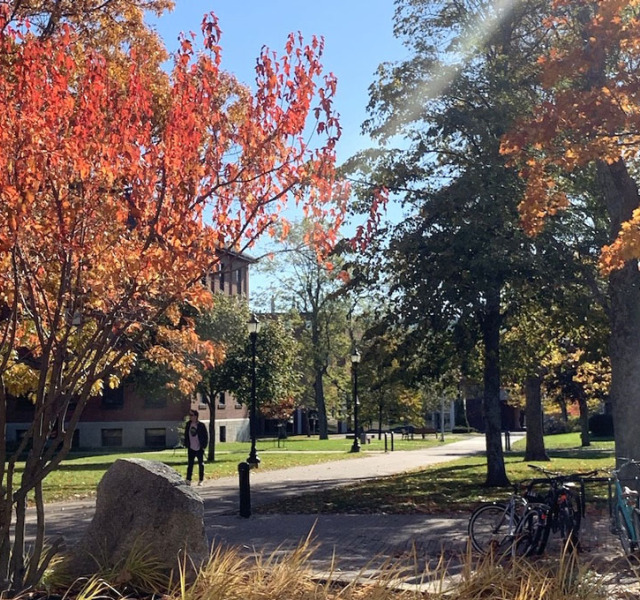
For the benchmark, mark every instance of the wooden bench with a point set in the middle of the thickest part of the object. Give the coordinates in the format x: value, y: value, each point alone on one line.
x: 407, y: 434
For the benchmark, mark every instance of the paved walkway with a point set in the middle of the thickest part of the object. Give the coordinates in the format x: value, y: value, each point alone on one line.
x: 345, y: 544
x: 354, y: 541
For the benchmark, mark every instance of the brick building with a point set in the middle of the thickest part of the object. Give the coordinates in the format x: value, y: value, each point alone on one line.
x: 127, y: 417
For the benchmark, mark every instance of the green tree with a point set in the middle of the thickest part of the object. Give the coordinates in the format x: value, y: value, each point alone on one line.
x: 277, y: 370
x: 388, y: 393
x: 310, y: 290
x: 225, y: 324
x: 461, y: 265
x: 589, y: 121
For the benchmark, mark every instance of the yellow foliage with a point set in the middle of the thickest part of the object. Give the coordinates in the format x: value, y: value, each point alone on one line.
x: 97, y: 387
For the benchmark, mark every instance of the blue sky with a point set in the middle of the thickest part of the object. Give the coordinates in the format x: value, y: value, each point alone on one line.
x: 358, y: 37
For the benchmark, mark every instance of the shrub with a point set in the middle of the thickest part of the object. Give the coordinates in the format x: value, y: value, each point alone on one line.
x: 554, y: 424
x: 464, y: 429
x: 601, y: 426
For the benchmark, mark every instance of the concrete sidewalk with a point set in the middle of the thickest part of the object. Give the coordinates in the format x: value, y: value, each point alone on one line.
x: 349, y: 542
x: 352, y: 540
x: 347, y: 545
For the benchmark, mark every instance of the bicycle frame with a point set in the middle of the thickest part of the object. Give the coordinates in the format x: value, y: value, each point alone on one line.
x: 625, y: 504
x: 564, y: 503
x: 510, y: 530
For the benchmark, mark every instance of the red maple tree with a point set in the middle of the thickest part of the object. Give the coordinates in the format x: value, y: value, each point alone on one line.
x: 115, y: 196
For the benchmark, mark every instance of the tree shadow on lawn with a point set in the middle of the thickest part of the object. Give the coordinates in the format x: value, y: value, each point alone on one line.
x: 581, y: 453
x: 446, y: 488
x: 436, y: 490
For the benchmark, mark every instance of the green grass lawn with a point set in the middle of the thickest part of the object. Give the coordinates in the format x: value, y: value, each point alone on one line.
x: 454, y: 486
x: 79, y: 475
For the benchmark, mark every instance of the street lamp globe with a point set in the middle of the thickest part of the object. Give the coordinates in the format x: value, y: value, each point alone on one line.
x: 253, y: 325
x: 355, y: 359
x: 254, y: 328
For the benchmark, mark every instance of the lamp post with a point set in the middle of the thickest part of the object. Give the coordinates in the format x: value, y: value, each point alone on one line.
x: 254, y: 328
x: 355, y: 359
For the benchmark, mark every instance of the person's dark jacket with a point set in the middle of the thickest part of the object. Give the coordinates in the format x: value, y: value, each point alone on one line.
x: 203, y: 436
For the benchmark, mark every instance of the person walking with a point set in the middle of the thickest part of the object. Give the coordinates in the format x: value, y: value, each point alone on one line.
x: 196, y: 439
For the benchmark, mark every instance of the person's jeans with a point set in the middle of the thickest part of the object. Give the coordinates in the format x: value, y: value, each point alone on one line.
x: 192, y: 455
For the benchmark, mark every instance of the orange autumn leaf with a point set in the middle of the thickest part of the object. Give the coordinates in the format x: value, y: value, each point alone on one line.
x: 590, y: 112
x: 111, y: 209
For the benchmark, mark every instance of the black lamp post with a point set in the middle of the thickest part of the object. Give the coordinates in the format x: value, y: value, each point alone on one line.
x: 254, y: 328
x: 355, y: 359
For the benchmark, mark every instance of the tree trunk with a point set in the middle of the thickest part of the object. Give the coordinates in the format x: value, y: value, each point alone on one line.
x: 535, y: 449
x: 318, y: 390
x: 563, y: 410
x: 211, y: 451
x: 496, y: 474
x: 621, y: 197
x: 584, y: 420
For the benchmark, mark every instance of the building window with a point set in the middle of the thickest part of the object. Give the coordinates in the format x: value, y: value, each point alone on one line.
x: 111, y: 438
x: 24, y: 403
x: 113, y: 398
x: 155, y: 401
x: 240, y: 277
x: 221, y: 277
x: 222, y: 400
x: 222, y: 433
x: 155, y: 437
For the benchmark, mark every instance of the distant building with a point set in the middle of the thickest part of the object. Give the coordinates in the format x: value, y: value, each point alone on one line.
x: 128, y: 418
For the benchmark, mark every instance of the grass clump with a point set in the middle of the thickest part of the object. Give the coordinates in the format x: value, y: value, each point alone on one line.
x: 568, y: 578
x: 230, y: 574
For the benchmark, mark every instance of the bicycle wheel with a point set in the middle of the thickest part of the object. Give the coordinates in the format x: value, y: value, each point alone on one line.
x: 529, y: 532
x: 492, y: 528
x: 636, y: 527
x: 622, y: 529
x: 544, y: 529
x: 489, y: 525
x: 570, y: 519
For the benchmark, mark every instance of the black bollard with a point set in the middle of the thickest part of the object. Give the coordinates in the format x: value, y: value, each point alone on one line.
x: 392, y: 441
x: 507, y: 441
x: 245, y: 489
x: 385, y: 442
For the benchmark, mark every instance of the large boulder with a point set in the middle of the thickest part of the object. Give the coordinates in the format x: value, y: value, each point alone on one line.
x: 142, y: 504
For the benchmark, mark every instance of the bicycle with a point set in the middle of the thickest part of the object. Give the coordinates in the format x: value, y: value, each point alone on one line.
x: 562, y: 506
x: 505, y: 528
x: 624, y: 511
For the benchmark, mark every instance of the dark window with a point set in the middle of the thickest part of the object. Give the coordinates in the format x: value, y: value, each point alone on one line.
x: 222, y: 433
x: 221, y: 277
x: 111, y: 437
x: 239, y: 281
x: 222, y: 401
x: 24, y: 403
x: 113, y: 398
x: 155, y: 437
x: 155, y: 401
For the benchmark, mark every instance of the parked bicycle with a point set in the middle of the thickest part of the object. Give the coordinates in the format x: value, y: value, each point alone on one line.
x: 623, y: 507
x: 511, y: 528
x: 561, y: 505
